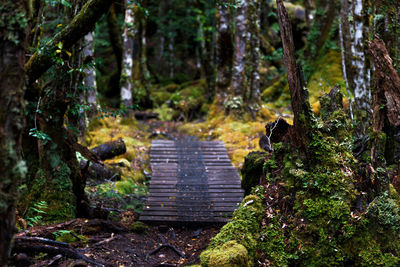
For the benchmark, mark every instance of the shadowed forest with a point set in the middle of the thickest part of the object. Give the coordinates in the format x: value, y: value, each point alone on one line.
x: 199, y: 133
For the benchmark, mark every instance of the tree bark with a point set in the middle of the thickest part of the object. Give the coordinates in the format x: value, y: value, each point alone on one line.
x: 115, y: 36
x: 82, y: 24
x: 224, y: 52
x: 253, y: 27
x: 234, y: 102
x: 12, y: 87
x: 90, y: 77
x: 386, y: 105
x: 302, y: 112
x: 126, y: 76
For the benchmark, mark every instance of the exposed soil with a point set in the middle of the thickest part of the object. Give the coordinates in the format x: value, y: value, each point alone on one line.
x: 125, y: 248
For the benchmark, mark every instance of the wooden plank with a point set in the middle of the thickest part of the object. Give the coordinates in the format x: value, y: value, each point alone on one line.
x: 234, y: 199
x: 197, y: 194
x: 172, y: 208
x: 188, y: 219
x: 210, y: 190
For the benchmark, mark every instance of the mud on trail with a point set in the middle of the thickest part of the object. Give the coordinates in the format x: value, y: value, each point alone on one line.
x: 112, y: 244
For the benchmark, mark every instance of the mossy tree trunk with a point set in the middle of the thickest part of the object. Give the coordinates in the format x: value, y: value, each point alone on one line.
x: 82, y: 24
x: 57, y: 179
x: 224, y: 52
x: 12, y: 87
x: 302, y: 113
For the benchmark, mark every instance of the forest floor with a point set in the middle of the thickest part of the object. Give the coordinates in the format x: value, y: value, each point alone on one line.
x: 118, y: 241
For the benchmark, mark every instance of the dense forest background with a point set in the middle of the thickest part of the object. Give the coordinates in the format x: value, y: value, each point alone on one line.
x: 322, y: 177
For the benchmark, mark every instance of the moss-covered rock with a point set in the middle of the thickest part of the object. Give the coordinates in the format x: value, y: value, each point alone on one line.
x: 252, y: 170
x: 240, y: 234
x: 230, y: 254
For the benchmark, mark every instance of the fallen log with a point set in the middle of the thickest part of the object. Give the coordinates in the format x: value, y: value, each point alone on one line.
x: 100, y: 172
x: 110, y: 149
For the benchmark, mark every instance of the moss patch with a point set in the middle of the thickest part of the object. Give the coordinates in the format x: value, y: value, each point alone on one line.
x: 239, y: 235
x: 139, y: 228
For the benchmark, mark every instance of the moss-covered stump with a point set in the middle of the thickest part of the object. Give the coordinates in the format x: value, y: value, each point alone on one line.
x: 252, y: 170
x: 322, y: 211
x: 235, y: 244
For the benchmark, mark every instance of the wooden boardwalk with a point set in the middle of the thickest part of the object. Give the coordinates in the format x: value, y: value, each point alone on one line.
x: 193, y: 181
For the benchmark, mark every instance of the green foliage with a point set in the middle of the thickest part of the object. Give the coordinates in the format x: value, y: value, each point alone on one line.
x: 36, y: 212
x: 13, y: 22
x: 40, y: 135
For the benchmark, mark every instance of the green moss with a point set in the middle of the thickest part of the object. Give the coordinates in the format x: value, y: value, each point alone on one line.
x: 139, y: 228
x: 273, y: 92
x: 160, y: 97
x: 252, y: 170
x: 243, y: 229
x: 71, y: 237
x: 327, y: 72
x: 230, y: 254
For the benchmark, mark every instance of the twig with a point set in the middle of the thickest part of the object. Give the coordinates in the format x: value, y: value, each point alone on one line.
x: 105, y: 240
x: 41, y: 240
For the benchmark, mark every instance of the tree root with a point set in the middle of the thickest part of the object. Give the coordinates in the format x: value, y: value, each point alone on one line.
x: 35, y: 248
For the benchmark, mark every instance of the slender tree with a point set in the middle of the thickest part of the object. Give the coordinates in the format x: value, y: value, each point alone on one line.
x: 90, y: 76
x: 128, y: 35
x: 234, y: 102
x: 224, y: 52
x: 253, y: 47
x: 13, y: 32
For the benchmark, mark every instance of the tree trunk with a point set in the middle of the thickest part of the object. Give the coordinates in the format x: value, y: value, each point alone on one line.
x: 126, y: 76
x: 345, y: 45
x: 234, y: 102
x: 90, y: 76
x: 224, y: 52
x: 302, y: 113
x: 386, y: 105
x: 115, y: 36
x: 12, y: 87
x: 361, y: 75
x: 253, y: 27
x: 324, y: 17
x: 82, y: 24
